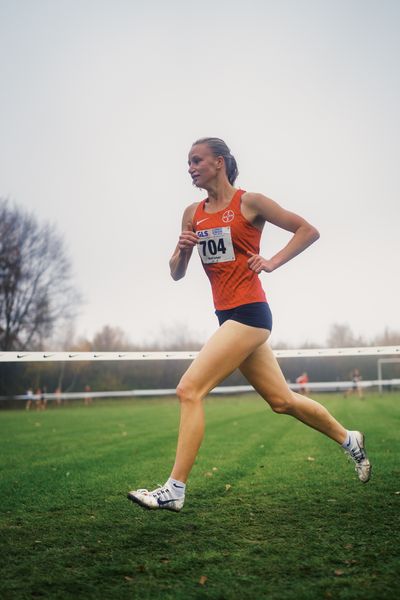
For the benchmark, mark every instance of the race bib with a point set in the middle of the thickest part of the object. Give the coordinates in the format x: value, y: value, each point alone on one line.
x: 215, y: 245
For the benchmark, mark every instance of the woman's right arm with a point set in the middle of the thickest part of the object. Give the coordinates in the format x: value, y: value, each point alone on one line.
x: 187, y: 240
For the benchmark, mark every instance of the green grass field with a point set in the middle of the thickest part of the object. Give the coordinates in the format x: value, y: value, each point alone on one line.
x: 273, y: 509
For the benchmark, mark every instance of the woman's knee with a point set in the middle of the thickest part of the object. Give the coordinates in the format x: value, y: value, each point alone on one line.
x: 281, y: 404
x: 187, y: 392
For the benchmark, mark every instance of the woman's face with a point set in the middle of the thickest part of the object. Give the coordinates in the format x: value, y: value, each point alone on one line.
x: 203, y: 165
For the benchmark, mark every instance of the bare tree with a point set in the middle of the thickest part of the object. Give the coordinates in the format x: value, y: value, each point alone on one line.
x: 110, y: 339
x: 390, y: 337
x: 36, y: 292
x: 177, y: 336
x: 341, y: 336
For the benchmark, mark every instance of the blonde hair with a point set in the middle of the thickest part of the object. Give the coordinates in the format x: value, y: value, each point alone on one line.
x: 219, y: 148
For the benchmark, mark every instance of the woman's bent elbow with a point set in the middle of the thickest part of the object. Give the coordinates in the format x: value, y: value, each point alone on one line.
x: 176, y: 276
x: 315, y: 235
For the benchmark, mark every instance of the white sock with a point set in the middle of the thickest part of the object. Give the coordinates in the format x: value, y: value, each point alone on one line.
x: 349, y: 441
x: 178, y: 486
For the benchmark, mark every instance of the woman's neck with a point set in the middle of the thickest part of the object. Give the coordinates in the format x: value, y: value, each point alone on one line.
x: 220, y: 193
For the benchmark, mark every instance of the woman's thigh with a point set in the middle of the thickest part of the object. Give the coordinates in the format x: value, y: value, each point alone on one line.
x: 224, y: 352
x: 262, y: 370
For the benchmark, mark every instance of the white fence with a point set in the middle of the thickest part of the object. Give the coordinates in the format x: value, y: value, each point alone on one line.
x: 314, y: 386
x: 184, y: 355
x: 378, y: 351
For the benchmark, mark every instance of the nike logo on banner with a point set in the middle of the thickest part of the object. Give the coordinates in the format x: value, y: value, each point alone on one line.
x: 201, y: 220
x: 162, y: 502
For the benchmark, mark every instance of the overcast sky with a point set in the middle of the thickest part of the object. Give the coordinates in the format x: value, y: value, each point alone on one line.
x: 101, y: 100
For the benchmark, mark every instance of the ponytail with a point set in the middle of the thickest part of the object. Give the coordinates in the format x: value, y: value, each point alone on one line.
x: 219, y: 148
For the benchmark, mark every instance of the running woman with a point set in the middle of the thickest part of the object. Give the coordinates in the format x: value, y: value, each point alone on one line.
x: 226, y: 228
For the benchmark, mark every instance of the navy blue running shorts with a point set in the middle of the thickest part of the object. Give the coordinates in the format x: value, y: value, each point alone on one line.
x: 255, y: 314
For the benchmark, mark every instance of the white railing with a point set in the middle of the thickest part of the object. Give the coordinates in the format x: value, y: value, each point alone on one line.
x: 313, y: 386
x: 185, y: 355
x: 378, y: 351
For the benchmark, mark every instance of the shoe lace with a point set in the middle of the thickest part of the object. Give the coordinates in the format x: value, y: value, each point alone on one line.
x: 160, y: 491
x: 357, y: 454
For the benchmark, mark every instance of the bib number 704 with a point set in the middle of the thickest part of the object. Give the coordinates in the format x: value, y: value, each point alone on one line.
x: 212, y: 247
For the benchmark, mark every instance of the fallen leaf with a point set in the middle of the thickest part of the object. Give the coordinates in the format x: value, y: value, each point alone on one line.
x: 202, y: 580
x: 310, y: 458
x: 339, y: 572
x: 227, y: 487
x: 208, y: 474
x: 128, y: 578
x: 215, y: 468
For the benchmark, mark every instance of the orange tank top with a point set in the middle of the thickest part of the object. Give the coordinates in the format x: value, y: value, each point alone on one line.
x: 224, y: 239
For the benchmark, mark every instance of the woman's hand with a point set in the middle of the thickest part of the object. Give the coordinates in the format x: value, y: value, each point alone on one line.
x: 257, y: 263
x: 183, y: 251
x: 188, y: 238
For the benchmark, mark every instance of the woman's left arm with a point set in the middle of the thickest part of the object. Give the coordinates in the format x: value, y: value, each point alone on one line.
x: 264, y: 209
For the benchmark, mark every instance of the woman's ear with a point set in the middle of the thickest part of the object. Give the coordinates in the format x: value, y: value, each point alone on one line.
x: 220, y: 162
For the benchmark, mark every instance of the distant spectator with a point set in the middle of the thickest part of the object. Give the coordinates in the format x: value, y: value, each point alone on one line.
x: 57, y: 394
x: 303, y: 381
x: 43, y: 398
x: 356, y: 388
x: 29, y: 398
x: 40, y: 399
x: 88, y: 398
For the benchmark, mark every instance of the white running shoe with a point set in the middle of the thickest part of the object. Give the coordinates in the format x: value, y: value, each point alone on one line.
x: 359, y: 456
x: 159, y: 498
